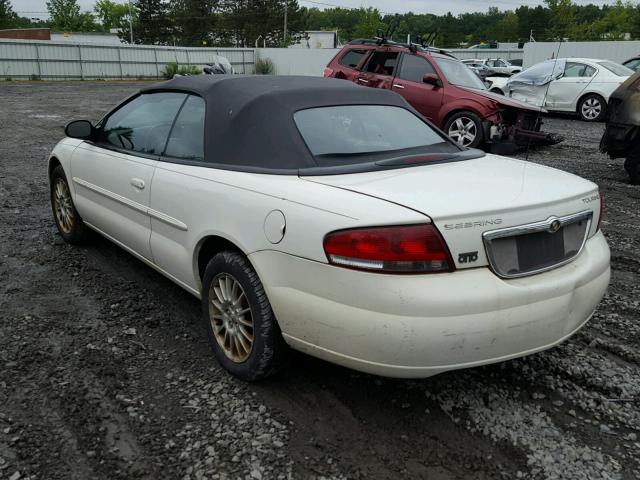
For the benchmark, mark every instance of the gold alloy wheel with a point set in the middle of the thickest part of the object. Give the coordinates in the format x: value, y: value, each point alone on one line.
x: 230, y: 317
x: 63, y: 206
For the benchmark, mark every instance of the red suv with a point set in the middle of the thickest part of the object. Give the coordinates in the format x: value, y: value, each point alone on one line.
x: 445, y: 91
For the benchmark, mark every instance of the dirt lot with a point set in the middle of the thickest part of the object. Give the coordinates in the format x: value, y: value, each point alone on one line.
x: 105, y: 373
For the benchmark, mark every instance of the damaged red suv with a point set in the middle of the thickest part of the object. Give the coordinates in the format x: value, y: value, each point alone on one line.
x: 445, y: 91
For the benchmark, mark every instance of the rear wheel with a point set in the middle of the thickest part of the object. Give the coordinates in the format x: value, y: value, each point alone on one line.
x: 464, y: 128
x: 70, y: 225
x: 243, y: 332
x: 592, y: 108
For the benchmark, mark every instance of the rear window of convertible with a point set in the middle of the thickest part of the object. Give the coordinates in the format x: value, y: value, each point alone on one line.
x: 354, y: 130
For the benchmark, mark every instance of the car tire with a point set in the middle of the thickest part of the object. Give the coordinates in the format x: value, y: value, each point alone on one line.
x: 632, y: 166
x: 592, y: 108
x: 241, y: 326
x: 464, y: 128
x: 68, y: 221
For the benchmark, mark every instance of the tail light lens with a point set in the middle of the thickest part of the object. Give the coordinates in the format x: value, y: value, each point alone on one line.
x: 327, y: 72
x: 601, y: 214
x: 396, y: 249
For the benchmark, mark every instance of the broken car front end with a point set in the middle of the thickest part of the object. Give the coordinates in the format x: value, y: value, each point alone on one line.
x: 510, y: 129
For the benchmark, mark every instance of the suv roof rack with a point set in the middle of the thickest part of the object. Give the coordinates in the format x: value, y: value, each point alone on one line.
x: 411, y: 46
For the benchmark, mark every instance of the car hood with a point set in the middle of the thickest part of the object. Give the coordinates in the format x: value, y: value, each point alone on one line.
x: 505, y: 101
x: 464, y: 199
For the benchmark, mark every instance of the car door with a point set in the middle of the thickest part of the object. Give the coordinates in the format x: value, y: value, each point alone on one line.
x: 564, y: 92
x: 425, y: 98
x: 112, y: 175
x: 347, y: 67
x: 175, y: 192
x: 379, y: 69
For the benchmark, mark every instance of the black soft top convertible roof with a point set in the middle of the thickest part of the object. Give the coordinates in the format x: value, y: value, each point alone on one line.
x: 249, y: 119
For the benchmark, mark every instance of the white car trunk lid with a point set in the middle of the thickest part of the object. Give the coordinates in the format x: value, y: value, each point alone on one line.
x: 467, y: 198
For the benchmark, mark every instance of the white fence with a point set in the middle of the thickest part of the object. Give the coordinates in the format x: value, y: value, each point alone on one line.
x: 46, y: 60
x: 616, y: 51
x: 49, y: 60
x: 298, y: 61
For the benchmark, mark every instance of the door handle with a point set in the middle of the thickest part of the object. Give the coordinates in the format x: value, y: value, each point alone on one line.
x: 397, y: 85
x: 137, y: 183
x: 363, y: 80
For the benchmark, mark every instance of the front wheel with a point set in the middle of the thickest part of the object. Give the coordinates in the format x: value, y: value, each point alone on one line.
x: 70, y: 225
x: 592, y: 108
x: 242, y: 329
x: 464, y: 128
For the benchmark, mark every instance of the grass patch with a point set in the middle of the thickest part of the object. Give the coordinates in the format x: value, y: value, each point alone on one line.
x: 264, y: 66
x: 172, y: 69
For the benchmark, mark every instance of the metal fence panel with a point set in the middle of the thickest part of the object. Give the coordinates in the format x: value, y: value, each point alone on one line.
x: 23, y: 59
x: 508, y: 54
x: 616, y: 51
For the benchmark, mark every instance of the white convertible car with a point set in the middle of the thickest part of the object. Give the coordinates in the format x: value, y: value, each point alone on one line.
x: 315, y: 214
x: 575, y: 85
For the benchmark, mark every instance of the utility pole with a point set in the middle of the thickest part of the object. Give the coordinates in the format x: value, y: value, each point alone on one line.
x: 285, y: 23
x: 130, y: 22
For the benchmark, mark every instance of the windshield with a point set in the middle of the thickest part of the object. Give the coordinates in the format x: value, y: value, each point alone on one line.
x: 352, y: 130
x: 541, y: 73
x: 617, y: 69
x: 459, y: 74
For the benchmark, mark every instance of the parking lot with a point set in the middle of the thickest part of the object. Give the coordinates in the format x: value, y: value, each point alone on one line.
x: 106, y: 373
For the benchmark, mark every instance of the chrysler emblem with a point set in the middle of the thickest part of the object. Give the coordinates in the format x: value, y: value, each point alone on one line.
x: 554, y: 226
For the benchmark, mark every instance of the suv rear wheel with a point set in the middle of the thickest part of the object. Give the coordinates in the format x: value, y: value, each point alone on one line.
x: 464, y: 128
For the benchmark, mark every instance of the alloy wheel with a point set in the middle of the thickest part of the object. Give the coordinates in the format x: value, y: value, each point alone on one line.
x: 591, y: 108
x: 63, y: 206
x: 463, y: 131
x: 230, y: 317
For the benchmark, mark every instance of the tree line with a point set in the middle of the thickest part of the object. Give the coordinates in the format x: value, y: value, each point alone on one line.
x: 245, y: 22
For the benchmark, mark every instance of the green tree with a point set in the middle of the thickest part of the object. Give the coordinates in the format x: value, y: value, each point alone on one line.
x: 242, y: 22
x: 508, y: 27
x: 65, y: 15
x: 617, y: 22
x: 563, y: 20
x: 194, y: 22
x: 7, y: 16
x: 151, y: 24
x: 111, y: 14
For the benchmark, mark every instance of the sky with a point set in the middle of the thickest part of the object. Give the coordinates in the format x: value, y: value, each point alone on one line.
x: 38, y: 8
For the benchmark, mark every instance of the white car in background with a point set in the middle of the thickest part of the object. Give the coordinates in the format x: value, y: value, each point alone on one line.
x: 496, y: 84
x: 315, y: 214
x: 498, y: 65
x: 578, y: 85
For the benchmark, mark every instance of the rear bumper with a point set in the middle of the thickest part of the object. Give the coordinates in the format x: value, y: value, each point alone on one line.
x: 418, y: 326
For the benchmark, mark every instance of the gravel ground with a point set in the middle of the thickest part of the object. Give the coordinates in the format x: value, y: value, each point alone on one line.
x: 105, y: 372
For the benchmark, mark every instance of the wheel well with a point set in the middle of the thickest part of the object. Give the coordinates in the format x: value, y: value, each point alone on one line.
x: 586, y: 95
x: 53, y: 163
x: 497, y: 90
x: 453, y: 112
x: 209, y: 247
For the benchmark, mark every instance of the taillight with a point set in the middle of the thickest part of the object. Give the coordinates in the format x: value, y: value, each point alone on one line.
x: 327, y: 72
x: 396, y: 249
x: 601, y: 214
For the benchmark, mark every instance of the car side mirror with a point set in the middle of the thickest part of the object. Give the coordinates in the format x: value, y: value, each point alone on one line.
x: 432, y: 79
x: 82, y: 129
